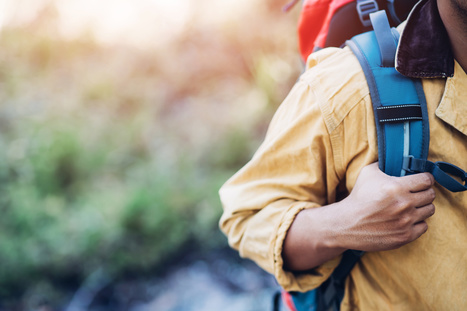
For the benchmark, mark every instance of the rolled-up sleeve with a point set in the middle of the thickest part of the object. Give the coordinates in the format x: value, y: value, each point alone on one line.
x: 296, y: 167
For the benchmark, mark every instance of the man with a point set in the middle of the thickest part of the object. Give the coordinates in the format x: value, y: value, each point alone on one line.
x: 313, y: 189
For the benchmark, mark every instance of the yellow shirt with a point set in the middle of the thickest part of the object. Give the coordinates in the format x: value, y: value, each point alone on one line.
x: 320, y: 138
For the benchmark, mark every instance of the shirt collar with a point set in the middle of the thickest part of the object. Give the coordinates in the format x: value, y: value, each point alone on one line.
x: 424, y: 49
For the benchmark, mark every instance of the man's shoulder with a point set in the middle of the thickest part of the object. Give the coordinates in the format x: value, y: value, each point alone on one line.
x: 338, y: 81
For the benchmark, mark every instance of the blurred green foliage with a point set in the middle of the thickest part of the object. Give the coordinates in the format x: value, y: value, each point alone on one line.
x: 111, y: 157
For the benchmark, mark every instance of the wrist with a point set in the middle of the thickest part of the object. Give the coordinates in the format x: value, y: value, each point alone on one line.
x: 330, y: 222
x: 312, y: 239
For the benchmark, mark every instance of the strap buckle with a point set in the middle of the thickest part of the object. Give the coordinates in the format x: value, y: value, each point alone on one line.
x: 364, y: 9
x: 408, y: 165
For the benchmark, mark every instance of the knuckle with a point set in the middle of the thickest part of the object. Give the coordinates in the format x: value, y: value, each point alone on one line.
x: 401, y: 207
x: 391, y: 188
x: 404, y: 221
x: 432, y: 194
x: 426, y: 179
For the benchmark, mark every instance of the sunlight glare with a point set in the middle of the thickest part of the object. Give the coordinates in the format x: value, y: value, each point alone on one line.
x: 139, y: 23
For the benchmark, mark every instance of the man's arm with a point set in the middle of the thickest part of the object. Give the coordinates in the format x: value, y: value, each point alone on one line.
x: 381, y: 213
x: 319, y: 140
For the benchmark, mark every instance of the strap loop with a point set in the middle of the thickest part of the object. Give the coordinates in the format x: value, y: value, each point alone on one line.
x: 441, y: 171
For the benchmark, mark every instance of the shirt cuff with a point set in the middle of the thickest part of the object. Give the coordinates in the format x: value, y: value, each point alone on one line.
x: 293, y: 281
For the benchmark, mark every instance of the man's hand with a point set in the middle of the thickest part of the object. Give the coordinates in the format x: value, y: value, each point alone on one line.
x: 381, y: 213
x: 387, y: 212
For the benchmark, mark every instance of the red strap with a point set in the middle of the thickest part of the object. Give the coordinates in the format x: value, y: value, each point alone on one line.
x: 287, y: 299
x: 313, y: 24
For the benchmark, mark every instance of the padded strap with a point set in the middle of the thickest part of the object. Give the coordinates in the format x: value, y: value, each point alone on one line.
x: 389, y: 91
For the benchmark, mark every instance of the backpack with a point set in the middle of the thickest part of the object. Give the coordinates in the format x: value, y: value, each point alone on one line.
x: 325, y: 23
x: 397, y: 114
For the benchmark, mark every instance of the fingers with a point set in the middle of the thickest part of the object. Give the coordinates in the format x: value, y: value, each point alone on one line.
x: 419, y: 229
x: 422, y: 198
x: 420, y: 226
x: 422, y: 213
x: 418, y: 182
x: 423, y: 203
x: 414, y: 183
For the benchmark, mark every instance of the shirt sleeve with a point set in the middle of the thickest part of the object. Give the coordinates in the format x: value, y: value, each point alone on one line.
x: 296, y: 167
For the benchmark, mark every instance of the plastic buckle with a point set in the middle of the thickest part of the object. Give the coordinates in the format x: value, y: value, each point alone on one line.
x: 407, y: 164
x: 364, y: 9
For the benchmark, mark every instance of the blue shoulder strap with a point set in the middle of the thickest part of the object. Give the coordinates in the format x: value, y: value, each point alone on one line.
x: 400, y: 108
x: 398, y: 102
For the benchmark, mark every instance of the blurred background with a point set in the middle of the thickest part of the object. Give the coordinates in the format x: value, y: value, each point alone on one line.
x: 119, y: 121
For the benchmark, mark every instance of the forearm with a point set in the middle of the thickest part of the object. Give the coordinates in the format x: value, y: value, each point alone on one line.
x: 312, y: 239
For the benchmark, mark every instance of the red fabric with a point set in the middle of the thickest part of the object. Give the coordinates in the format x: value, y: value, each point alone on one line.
x: 313, y: 24
x: 288, y: 301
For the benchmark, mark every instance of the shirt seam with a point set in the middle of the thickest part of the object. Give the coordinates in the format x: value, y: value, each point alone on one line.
x: 332, y: 126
